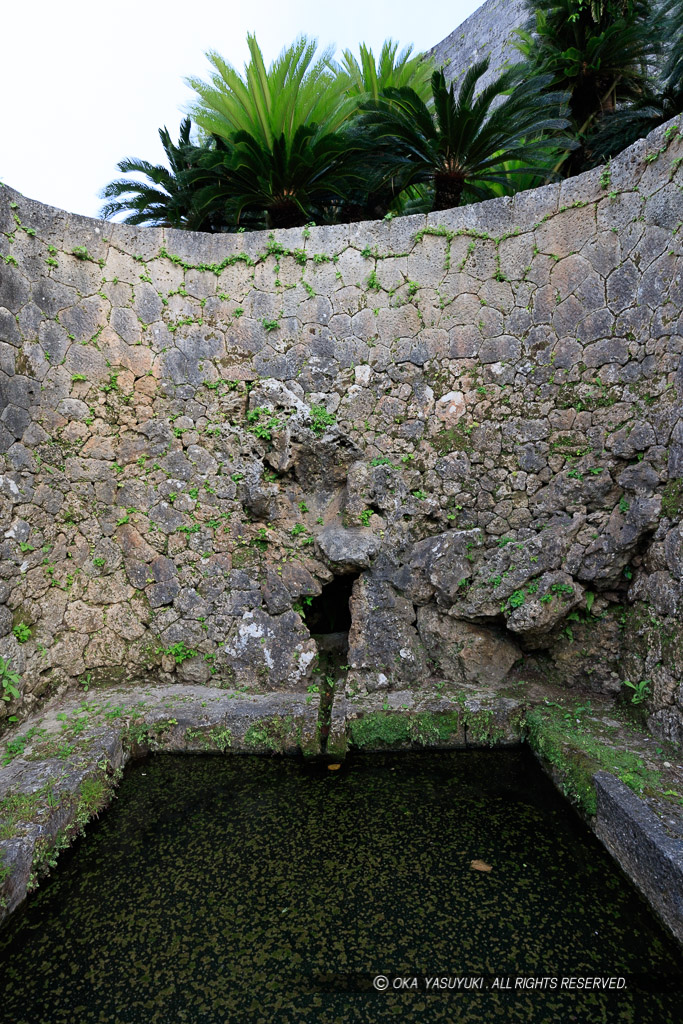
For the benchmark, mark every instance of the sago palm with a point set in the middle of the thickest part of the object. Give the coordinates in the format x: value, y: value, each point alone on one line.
x: 269, y: 102
x: 283, y: 126
x: 301, y: 178
x: 165, y: 198
x: 598, y: 51
x: 673, y: 70
x: 662, y: 95
x: 463, y: 141
x: 367, y: 78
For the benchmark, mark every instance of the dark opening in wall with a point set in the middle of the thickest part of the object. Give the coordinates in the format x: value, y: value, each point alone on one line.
x: 328, y: 617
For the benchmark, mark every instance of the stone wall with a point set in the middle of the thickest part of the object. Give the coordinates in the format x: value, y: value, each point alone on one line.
x: 488, y: 32
x: 477, y: 414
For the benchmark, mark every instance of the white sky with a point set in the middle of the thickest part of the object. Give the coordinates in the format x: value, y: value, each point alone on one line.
x: 86, y: 83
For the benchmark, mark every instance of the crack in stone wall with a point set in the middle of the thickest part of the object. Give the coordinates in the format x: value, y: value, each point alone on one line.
x: 478, y: 411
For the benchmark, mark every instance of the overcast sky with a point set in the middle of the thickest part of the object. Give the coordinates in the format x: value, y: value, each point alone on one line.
x: 87, y: 83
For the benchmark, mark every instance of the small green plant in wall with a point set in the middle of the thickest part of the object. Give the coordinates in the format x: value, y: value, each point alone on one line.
x: 22, y: 632
x: 180, y: 652
x: 641, y: 690
x: 263, y: 423
x: 9, y: 680
x: 321, y: 419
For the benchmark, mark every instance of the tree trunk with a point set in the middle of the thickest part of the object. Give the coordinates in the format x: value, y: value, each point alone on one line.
x: 286, y: 214
x: 448, y: 191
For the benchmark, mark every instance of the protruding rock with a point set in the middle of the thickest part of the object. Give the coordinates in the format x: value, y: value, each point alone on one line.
x: 348, y: 549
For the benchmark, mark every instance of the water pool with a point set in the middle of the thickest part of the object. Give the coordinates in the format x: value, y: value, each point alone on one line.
x: 244, y: 889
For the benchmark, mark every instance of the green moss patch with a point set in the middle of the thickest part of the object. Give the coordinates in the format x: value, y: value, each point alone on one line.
x: 672, y: 499
x: 575, y: 747
x: 453, y: 439
x: 393, y: 728
x: 275, y: 734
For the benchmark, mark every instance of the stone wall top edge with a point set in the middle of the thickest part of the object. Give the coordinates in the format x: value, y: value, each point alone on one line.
x: 495, y: 216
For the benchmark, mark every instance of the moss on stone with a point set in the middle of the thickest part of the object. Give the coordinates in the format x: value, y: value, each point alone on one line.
x: 482, y: 727
x: 452, y: 439
x: 93, y: 796
x: 431, y: 729
x: 19, y: 807
x: 145, y: 734
x: 672, y: 499
x: 379, y: 728
x: 563, y: 738
x: 272, y: 733
x: 218, y: 737
x: 392, y: 728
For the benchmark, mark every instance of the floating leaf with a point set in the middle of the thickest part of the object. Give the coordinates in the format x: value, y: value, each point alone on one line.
x: 480, y: 865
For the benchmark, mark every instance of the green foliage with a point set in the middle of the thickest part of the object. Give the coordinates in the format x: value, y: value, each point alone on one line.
x: 167, y: 196
x: 16, y: 807
x: 180, y: 652
x: 22, y: 632
x: 274, y: 733
x: 260, y: 541
x: 606, y: 56
x: 452, y: 439
x: 15, y: 748
x: 641, y: 690
x: 281, y: 150
x: 460, y: 143
x: 672, y: 498
x: 5, y: 872
x: 263, y: 422
x: 141, y: 733
x: 321, y: 419
x: 216, y: 738
x: 307, y: 140
x: 9, y: 680
x: 367, y: 79
x: 563, y: 736
x: 378, y: 729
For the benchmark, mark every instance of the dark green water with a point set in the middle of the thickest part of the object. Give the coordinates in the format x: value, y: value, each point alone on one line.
x: 262, y: 890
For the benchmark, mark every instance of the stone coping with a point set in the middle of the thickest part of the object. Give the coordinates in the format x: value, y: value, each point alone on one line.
x: 635, y: 837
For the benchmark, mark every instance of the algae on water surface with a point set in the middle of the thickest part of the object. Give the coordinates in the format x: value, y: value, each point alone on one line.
x: 233, y: 889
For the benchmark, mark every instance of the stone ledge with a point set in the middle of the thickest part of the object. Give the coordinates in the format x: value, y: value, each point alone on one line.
x: 403, y: 720
x: 635, y: 837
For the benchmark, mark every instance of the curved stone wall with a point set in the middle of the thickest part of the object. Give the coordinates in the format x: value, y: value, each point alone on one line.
x: 477, y: 414
x: 488, y: 33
